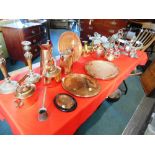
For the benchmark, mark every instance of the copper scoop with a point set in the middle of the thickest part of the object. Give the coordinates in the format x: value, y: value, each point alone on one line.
x: 43, y: 115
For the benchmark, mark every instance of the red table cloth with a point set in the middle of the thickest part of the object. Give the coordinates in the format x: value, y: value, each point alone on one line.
x: 24, y: 120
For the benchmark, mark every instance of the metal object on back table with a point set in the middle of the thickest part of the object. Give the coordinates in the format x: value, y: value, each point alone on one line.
x: 101, y: 69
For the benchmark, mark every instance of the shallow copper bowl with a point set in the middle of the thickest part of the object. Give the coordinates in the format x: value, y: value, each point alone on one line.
x: 81, y: 85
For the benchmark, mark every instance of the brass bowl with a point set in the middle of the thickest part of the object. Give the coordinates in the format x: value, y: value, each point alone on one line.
x: 24, y: 91
x: 65, y: 102
x: 81, y: 85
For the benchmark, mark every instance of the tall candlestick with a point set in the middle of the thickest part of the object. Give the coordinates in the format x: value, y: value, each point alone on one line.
x: 8, y: 86
x: 33, y: 77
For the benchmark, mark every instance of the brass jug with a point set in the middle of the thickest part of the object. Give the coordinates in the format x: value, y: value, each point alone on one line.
x: 66, y: 61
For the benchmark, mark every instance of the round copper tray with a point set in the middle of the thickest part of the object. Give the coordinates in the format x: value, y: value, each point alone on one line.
x: 101, y: 69
x: 65, y: 102
x: 81, y: 85
x: 69, y: 40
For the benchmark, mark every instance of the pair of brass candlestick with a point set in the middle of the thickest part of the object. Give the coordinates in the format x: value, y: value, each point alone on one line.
x: 9, y: 86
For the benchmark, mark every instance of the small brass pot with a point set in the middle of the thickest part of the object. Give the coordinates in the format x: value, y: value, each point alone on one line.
x: 24, y: 91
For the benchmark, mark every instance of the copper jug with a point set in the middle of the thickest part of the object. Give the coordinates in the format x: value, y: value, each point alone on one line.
x: 45, y: 56
x: 48, y: 67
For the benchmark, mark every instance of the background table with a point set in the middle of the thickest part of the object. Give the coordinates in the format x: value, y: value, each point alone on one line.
x: 24, y: 120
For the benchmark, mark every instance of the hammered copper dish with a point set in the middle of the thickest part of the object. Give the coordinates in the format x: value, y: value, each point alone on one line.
x: 65, y: 102
x: 81, y: 85
x: 70, y: 40
x: 101, y: 69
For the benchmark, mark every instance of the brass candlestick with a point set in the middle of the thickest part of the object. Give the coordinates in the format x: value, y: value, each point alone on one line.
x: 33, y: 77
x: 8, y: 86
x: 85, y: 48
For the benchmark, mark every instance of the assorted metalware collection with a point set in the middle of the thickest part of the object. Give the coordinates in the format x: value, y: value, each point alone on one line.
x: 71, y: 50
x: 114, y: 46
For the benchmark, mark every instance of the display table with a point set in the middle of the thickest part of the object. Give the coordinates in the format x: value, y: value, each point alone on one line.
x: 24, y: 120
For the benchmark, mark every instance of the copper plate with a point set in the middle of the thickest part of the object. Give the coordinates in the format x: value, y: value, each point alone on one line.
x: 65, y: 102
x: 69, y: 40
x: 101, y: 69
x: 81, y: 85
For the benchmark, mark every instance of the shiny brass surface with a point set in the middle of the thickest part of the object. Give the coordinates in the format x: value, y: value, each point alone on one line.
x: 7, y: 86
x: 81, y: 85
x: 28, y: 56
x: 58, y: 75
x: 48, y: 66
x: 33, y: 77
x: 65, y: 101
x: 45, y: 56
x: 24, y: 91
x: 70, y: 40
x: 3, y: 67
x: 66, y: 62
x: 101, y: 69
x: 3, y: 64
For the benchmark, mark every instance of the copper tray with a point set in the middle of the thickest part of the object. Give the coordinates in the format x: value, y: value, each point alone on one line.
x: 81, y: 85
x: 69, y: 40
x: 101, y: 69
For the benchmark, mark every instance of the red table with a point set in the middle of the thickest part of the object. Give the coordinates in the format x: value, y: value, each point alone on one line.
x: 24, y: 120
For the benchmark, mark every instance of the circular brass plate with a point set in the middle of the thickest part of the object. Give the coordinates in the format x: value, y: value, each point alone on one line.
x: 81, y: 85
x: 101, y: 69
x: 65, y: 102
